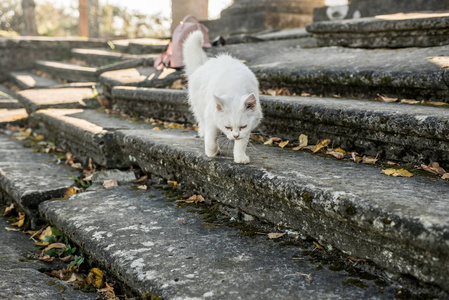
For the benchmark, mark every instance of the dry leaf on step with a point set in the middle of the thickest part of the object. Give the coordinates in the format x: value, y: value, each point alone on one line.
x: 275, y: 235
x: 397, y: 172
x: 174, y: 184
x: 435, y: 103
x: 370, y: 160
x: 445, y: 176
x: 337, y: 155
x: 110, y: 183
x: 433, y: 168
x: 303, y: 142
x: 142, y: 187
x: 386, y: 99
x: 95, y: 278
x: 283, y: 144
x: 21, y: 220
x: 409, y: 101
x: 272, y: 140
x: 193, y: 199
x: 321, y: 145
x: 355, y: 157
x: 8, y: 210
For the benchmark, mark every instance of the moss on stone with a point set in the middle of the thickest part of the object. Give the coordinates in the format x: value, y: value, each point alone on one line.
x: 307, y: 199
x: 355, y: 282
x: 350, y: 210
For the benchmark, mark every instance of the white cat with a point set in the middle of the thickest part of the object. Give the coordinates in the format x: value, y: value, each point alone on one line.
x: 223, y: 96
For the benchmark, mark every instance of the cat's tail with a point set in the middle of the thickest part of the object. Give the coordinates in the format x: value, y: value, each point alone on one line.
x: 194, y: 55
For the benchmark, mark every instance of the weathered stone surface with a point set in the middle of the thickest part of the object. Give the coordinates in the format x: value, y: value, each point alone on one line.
x: 101, y: 57
x: 29, y: 178
x: 86, y: 133
x: 69, y: 72
x: 141, y: 46
x: 282, y: 187
x: 36, y: 99
x: 126, y: 64
x: 158, y: 249
x: 285, y: 34
x: 19, y: 271
x: 28, y: 80
x: 392, y: 131
x: 122, y: 177
x: 8, y: 98
x: 371, y: 8
x: 394, y: 31
x: 12, y: 116
x: 19, y: 53
x: 141, y: 76
x: 162, y: 104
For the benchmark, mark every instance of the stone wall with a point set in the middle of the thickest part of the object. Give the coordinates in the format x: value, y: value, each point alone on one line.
x: 370, y: 8
x: 19, y: 53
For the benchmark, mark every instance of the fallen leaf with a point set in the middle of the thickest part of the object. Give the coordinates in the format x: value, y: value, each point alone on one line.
x: 68, y: 258
x: 339, y: 150
x: 433, y: 168
x: 435, y: 103
x: 283, y: 144
x: 386, y: 99
x: 177, y: 84
x: 21, y: 221
x: 321, y: 145
x: 370, y: 160
x: 305, y: 95
x: 46, y: 258
x: 272, y: 140
x: 193, y: 199
x: 270, y: 92
x: 392, y: 163
x: 8, y: 210
x: 355, y: 157
x: 397, y: 172
x: 319, y: 246
x: 311, y: 147
x: 70, y: 191
x: 110, y: 183
x: 275, y: 235
x: 337, y: 155
x: 46, y: 232
x: 77, y: 166
x: 174, y: 184
x: 142, y: 187
x: 142, y: 179
x: 74, y: 277
x: 95, y: 278
x: 445, y: 176
x: 410, y: 101
x: 303, y: 142
x: 53, y: 246
x: 108, y: 291
x: 11, y: 229
x: 156, y: 128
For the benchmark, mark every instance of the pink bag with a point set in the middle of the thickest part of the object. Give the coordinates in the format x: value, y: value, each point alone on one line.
x: 173, y: 57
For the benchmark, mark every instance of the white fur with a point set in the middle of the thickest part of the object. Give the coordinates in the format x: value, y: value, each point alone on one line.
x: 220, y: 90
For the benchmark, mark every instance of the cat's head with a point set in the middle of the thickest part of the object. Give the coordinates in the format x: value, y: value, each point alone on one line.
x: 237, y: 117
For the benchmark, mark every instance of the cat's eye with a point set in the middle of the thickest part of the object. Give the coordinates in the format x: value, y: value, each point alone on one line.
x: 243, y: 127
x: 228, y: 128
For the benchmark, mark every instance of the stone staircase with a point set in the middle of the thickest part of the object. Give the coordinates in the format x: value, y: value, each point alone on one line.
x: 393, y: 228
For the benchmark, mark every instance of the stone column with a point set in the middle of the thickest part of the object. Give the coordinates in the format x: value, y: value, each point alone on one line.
x: 182, y: 8
x: 29, y: 18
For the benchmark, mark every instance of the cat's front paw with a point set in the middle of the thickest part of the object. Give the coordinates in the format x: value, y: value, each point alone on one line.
x: 241, y: 159
x: 212, y: 153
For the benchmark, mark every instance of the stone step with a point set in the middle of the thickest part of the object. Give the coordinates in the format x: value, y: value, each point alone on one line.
x: 141, y: 46
x: 12, y: 116
x: 400, y: 30
x: 410, y: 73
x: 28, y: 80
x: 66, y: 71
x: 402, y: 132
x: 21, y: 276
x: 8, y: 98
x: 158, y: 249
x: 401, y: 224
x: 36, y: 99
x: 28, y: 178
x: 140, y: 76
x: 101, y: 57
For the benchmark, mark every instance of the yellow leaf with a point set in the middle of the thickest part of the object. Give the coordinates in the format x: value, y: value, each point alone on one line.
x: 21, y: 221
x: 41, y: 244
x: 319, y: 246
x: 321, y: 145
x: 369, y: 160
x: 174, y: 184
x: 39, y: 137
x: 54, y: 246
x: 46, y: 232
x: 386, y: 99
x: 339, y: 150
x: 397, y: 172
x: 337, y: 155
x: 156, y: 128
x: 70, y: 192
x: 283, y: 144
x: 275, y: 235
x: 8, y: 210
x: 95, y: 278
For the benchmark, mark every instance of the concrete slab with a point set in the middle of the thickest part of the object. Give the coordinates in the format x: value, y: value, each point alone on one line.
x: 396, y: 131
x: 12, y: 116
x: 28, y: 80
x: 141, y: 76
x: 100, y: 57
x: 69, y: 72
x: 20, y: 277
x: 141, y: 46
x: 292, y: 33
x: 36, y: 99
x: 165, y: 251
x: 29, y: 178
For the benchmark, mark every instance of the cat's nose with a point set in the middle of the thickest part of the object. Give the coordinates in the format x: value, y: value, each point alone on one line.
x: 236, y: 135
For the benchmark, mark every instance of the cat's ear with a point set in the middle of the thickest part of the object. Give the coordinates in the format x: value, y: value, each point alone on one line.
x: 250, y: 102
x: 219, y: 103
